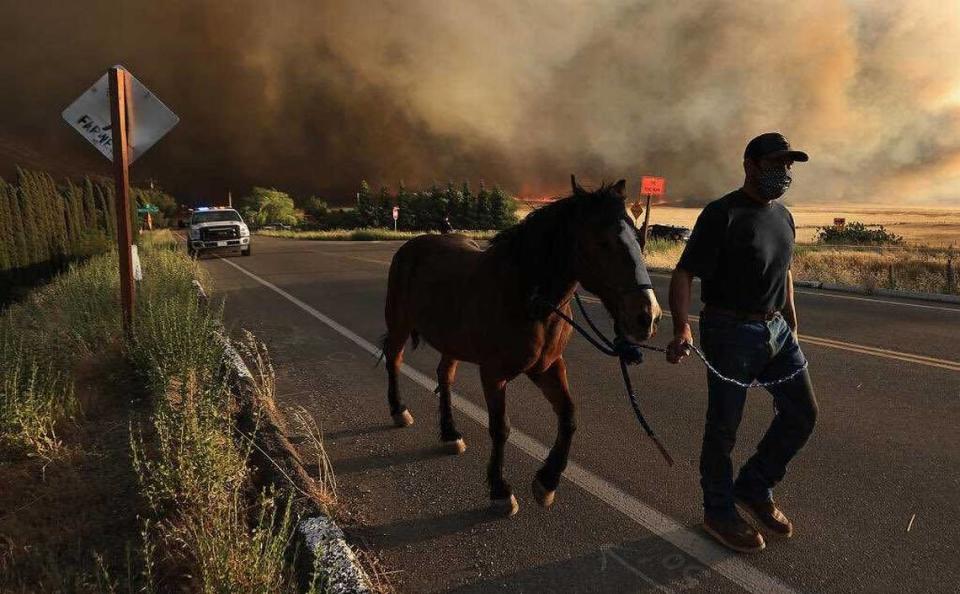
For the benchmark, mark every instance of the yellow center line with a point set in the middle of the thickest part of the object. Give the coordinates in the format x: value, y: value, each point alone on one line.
x: 371, y: 260
x: 854, y: 347
x: 817, y: 340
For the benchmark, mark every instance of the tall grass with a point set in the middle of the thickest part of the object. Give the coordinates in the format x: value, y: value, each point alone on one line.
x: 43, y: 339
x: 34, y: 400
x: 207, y: 529
x: 193, y: 471
x: 919, y: 270
x: 908, y: 270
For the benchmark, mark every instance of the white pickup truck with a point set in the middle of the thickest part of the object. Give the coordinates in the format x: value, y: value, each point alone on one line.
x: 217, y: 229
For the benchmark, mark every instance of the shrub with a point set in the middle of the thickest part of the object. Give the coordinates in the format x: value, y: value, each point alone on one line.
x: 857, y: 233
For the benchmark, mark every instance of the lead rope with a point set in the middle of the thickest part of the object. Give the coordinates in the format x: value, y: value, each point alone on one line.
x: 626, y: 355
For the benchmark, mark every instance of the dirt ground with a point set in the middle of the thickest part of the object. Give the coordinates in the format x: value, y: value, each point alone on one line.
x: 70, y: 524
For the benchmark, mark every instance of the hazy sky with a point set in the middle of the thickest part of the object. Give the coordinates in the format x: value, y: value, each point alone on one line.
x: 313, y: 96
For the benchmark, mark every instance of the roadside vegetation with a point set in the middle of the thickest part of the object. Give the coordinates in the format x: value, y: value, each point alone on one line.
x: 907, y: 269
x: 857, y: 234
x: 419, y: 211
x: 122, y: 465
x: 47, y: 225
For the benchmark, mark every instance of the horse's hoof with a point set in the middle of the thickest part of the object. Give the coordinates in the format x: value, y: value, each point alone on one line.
x: 403, y: 419
x: 455, y: 447
x: 541, y: 494
x: 505, y: 507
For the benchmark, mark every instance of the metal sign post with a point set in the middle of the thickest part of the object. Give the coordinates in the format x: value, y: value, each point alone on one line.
x: 121, y: 118
x: 649, y: 186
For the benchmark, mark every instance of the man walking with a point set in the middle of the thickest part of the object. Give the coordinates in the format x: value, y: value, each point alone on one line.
x: 741, y: 248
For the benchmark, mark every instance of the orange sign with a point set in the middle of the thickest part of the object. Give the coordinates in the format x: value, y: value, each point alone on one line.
x: 637, y: 209
x: 652, y: 186
x: 839, y: 222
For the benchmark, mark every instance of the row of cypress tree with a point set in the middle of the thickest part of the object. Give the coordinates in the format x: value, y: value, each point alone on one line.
x: 44, y: 226
x: 425, y: 210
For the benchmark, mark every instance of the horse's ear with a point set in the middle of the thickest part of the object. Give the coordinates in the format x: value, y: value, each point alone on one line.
x: 573, y: 185
x: 620, y: 187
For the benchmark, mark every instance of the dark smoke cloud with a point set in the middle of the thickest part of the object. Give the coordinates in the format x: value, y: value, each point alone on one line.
x: 314, y: 96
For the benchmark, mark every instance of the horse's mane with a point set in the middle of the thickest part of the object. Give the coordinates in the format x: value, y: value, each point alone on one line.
x: 541, y: 245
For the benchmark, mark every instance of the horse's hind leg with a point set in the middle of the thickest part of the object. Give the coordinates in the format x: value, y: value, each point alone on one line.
x: 393, y: 353
x: 495, y: 393
x: 553, y: 384
x: 451, y: 438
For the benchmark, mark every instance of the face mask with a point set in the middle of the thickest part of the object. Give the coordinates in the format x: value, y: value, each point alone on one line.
x: 773, y: 184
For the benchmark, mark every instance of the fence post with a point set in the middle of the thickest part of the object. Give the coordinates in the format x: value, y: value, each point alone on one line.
x: 890, y: 282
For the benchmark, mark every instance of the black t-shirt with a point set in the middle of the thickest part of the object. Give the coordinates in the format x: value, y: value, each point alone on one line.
x: 741, y: 250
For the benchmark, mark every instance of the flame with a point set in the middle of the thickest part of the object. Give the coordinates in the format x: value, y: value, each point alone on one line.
x: 537, y: 193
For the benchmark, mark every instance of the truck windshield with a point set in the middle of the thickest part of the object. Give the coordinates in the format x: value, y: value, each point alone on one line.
x: 215, y: 216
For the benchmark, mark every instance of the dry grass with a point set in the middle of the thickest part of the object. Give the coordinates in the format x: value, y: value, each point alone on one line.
x: 325, y: 479
x: 207, y: 530
x: 210, y: 530
x: 916, y: 270
x: 921, y: 266
x: 907, y: 270
x: 919, y: 226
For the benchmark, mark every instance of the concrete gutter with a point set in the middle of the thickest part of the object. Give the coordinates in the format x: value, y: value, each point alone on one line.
x: 276, y: 463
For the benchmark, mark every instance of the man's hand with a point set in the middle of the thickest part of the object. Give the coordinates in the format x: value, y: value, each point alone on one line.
x: 679, y: 347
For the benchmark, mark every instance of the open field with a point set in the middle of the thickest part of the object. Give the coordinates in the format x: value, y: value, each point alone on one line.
x: 936, y: 227
x: 919, y: 226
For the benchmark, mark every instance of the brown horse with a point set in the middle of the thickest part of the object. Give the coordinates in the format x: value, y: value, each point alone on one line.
x: 488, y: 307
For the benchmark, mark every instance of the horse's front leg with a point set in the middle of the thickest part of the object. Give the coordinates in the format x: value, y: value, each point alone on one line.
x: 553, y: 384
x: 495, y: 393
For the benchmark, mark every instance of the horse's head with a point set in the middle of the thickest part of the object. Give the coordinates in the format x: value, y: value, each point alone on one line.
x: 609, y: 262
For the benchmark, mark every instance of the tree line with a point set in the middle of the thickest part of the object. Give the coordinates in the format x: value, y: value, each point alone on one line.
x: 45, y: 225
x: 419, y: 210
x: 425, y: 210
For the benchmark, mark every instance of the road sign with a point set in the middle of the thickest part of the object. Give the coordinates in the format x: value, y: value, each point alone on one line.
x: 839, y: 221
x: 149, y: 118
x: 148, y: 208
x: 652, y: 186
x: 637, y: 209
x: 396, y: 213
x: 122, y: 119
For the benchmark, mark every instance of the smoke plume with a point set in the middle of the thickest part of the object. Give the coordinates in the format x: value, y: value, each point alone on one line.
x: 315, y: 96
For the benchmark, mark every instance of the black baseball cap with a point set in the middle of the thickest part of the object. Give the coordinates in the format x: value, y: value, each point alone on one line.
x: 772, y: 144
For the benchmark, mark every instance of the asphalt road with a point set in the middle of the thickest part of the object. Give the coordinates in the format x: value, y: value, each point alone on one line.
x: 874, y: 495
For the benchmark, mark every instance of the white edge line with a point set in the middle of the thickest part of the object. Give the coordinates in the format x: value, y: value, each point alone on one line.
x: 666, y: 528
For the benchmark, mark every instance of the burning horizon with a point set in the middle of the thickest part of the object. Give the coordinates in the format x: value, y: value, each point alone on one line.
x: 312, y: 98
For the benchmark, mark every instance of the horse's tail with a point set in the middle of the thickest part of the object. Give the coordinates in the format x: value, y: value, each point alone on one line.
x: 399, y: 268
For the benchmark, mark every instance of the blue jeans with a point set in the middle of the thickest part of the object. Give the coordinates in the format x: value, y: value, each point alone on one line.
x: 748, y: 350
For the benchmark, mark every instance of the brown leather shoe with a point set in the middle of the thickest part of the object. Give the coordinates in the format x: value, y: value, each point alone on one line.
x: 768, y: 517
x: 734, y: 533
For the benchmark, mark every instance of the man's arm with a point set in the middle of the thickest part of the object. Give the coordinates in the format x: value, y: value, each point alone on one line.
x: 681, y: 285
x: 789, y: 308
